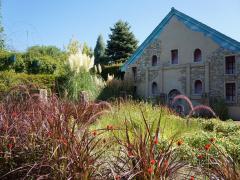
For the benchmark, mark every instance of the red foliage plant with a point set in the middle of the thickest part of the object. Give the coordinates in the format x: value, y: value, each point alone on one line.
x: 141, y: 156
x: 43, y: 139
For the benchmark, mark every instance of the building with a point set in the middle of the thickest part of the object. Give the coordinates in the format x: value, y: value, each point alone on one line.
x: 185, y: 56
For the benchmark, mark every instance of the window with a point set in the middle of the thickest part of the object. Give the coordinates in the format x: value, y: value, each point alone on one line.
x: 174, y: 56
x: 134, y: 71
x: 230, y: 64
x: 154, y: 60
x: 154, y: 88
x: 198, y: 87
x: 230, y: 92
x: 197, y: 55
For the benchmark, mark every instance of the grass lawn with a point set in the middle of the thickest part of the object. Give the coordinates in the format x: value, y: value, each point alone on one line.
x: 171, y: 124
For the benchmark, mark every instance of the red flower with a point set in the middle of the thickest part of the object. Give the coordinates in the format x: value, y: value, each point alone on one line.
x: 155, y: 140
x: 109, y: 127
x: 191, y: 178
x: 179, y: 142
x: 153, y: 161
x: 117, y: 177
x: 207, y: 147
x: 10, y: 146
x: 200, y: 156
x: 212, y: 140
x: 14, y: 114
x: 64, y: 141
x: 49, y: 133
x: 130, y: 154
x: 94, y: 133
x: 165, y: 164
x: 150, y: 170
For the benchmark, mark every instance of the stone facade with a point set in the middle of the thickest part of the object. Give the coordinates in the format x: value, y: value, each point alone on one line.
x: 182, y: 76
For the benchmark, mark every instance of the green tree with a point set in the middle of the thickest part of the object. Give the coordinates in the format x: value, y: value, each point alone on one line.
x: 2, y: 39
x: 122, y: 42
x: 99, y: 51
x: 87, y: 50
x: 73, y: 47
x: 37, y: 51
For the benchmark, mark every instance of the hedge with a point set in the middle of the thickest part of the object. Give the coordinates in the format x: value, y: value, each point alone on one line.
x: 9, y: 79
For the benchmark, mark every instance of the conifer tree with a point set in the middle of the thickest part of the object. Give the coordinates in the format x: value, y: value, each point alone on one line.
x: 121, y: 44
x: 99, y: 51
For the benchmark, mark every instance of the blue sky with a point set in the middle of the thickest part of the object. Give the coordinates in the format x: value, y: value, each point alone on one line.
x: 54, y: 22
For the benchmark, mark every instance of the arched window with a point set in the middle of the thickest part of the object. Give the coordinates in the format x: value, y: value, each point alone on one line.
x: 154, y: 88
x: 197, y: 55
x: 198, y: 87
x: 154, y: 60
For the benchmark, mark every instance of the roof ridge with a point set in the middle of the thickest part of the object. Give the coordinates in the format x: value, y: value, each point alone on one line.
x: 219, y: 34
x: 221, y: 39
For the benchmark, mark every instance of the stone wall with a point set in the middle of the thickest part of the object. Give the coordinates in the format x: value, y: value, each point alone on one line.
x: 218, y: 78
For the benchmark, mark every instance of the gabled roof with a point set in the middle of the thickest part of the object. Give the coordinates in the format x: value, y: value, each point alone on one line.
x: 219, y: 38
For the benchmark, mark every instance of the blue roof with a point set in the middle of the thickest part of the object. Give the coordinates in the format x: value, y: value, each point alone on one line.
x: 219, y: 38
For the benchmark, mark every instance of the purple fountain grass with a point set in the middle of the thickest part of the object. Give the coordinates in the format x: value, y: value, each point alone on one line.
x: 200, y: 108
x: 49, y: 139
x: 183, y: 97
x: 192, y: 108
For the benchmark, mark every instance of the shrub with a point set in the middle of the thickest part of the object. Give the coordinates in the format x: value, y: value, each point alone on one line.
x: 220, y: 107
x: 116, y: 88
x: 7, y: 60
x: 112, y: 70
x: 41, y: 65
x: 9, y: 79
x: 19, y: 66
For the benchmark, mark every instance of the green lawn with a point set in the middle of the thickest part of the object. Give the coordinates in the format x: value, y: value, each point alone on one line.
x: 171, y: 124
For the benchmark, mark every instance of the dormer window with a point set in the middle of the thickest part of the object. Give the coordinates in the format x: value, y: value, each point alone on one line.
x: 154, y: 60
x: 230, y: 65
x: 197, y: 55
x: 174, y: 54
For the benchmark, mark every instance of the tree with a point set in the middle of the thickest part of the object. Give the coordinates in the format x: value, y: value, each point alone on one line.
x: 37, y: 51
x: 122, y: 42
x: 2, y: 39
x: 87, y: 50
x: 99, y: 50
x: 73, y: 47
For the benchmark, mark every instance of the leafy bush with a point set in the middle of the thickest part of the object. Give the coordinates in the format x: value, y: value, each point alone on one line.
x: 220, y: 107
x: 36, y: 60
x: 6, y: 60
x: 115, y: 88
x: 19, y: 66
x: 112, y: 70
x: 224, y: 134
x: 224, y: 128
x: 42, y: 65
